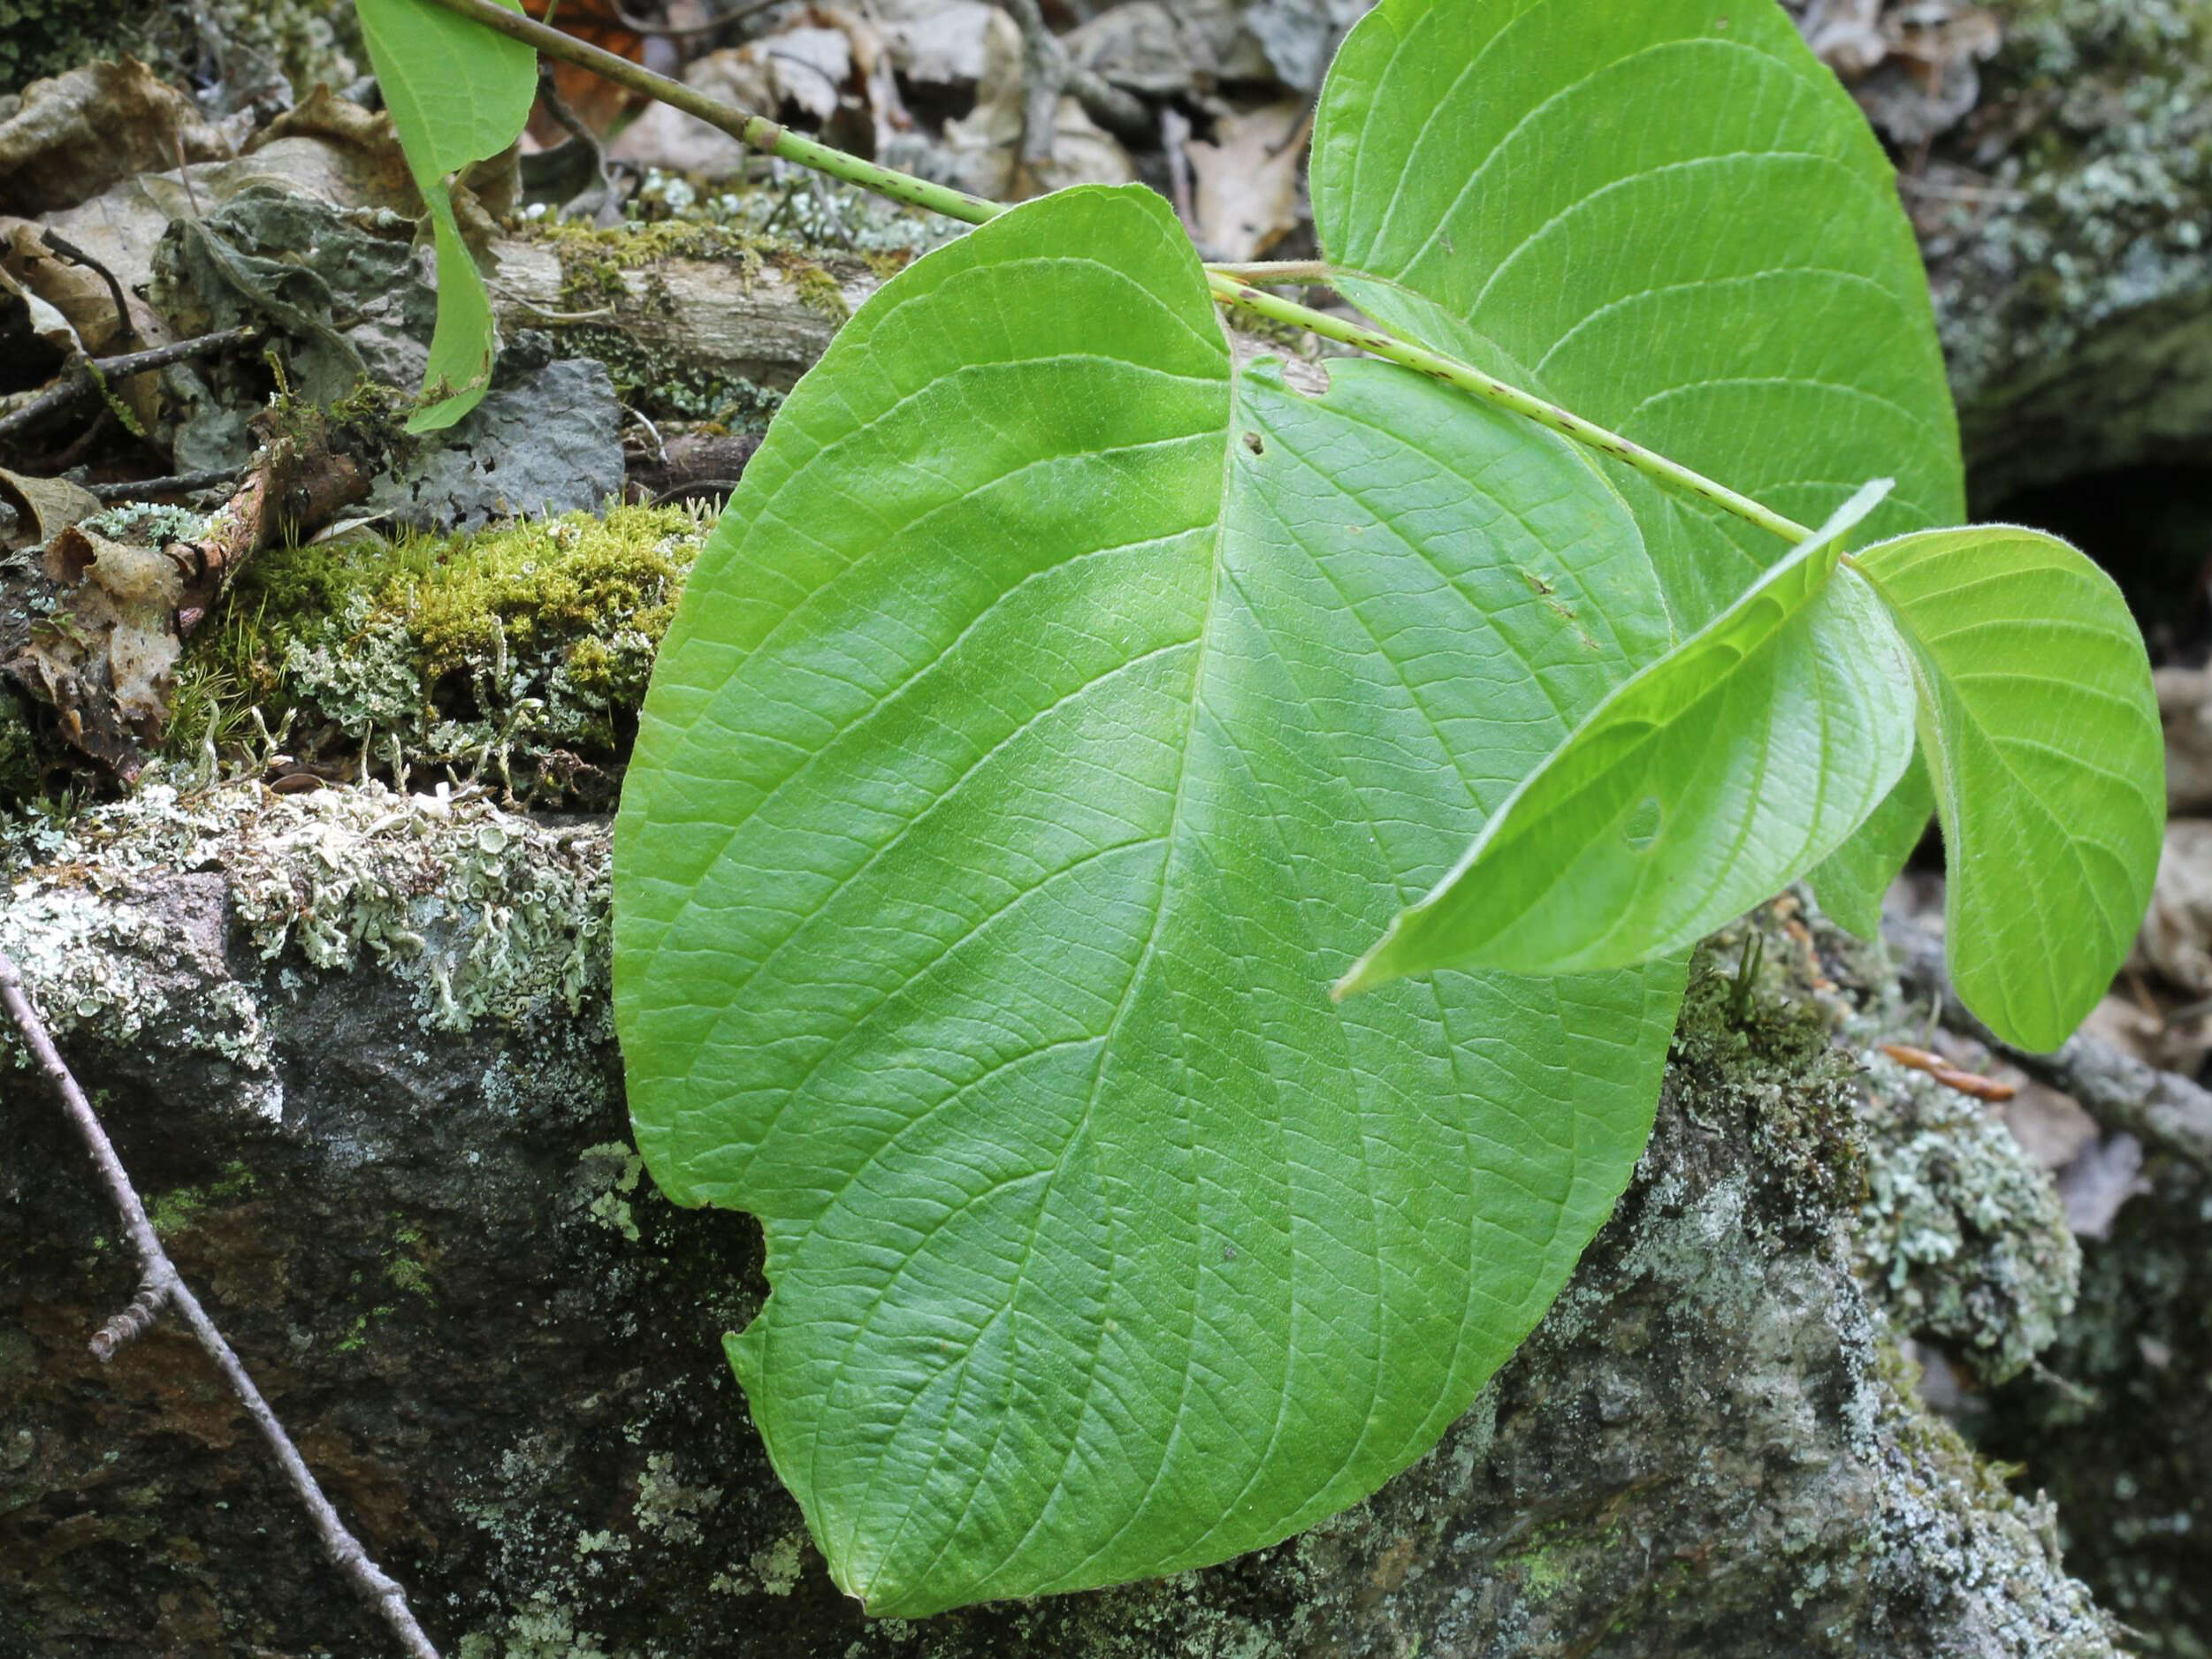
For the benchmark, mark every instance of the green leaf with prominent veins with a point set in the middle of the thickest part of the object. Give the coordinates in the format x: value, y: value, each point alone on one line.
x: 1671, y: 219
x: 2041, y: 734
x: 458, y: 94
x: 1713, y: 778
x: 1667, y: 217
x: 1054, y: 711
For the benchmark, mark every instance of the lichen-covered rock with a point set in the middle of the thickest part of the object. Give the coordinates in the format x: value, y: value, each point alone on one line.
x: 2119, y: 1425
x: 1965, y: 1234
x: 2067, y: 224
x: 516, y: 656
x: 355, y: 1046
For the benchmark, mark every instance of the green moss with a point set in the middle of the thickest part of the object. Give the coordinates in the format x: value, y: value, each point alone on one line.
x: 356, y: 1337
x: 663, y: 384
x: 521, y: 652
x: 174, y: 1210
x: 1739, y: 1048
x: 409, y: 1267
x: 23, y: 759
x: 818, y: 289
x: 47, y: 37
x: 594, y: 258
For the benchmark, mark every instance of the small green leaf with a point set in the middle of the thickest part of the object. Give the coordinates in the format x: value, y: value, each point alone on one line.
x: 2041, y: 735
x: 1056, y: 708
x: 1717, y: 775
x: 458, y: 94
x: 1849, y: 882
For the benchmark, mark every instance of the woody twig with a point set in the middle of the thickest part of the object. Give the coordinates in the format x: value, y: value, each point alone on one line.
x: 161, y: 1289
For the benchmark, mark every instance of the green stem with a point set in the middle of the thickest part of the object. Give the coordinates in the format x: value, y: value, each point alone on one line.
x: 1229, y: 283
x: 742, y: 124
x: 1313, y: 273
x: 1467, y: 378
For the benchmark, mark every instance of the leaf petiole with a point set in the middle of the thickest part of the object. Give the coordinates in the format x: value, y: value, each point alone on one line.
x: 1467, y: 378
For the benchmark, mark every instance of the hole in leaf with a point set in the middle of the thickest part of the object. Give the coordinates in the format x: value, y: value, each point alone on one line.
x: 1642, y: 828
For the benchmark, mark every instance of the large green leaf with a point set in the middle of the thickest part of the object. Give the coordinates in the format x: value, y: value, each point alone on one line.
x: 1669, y: 218
x: 1053, y: 713
x: 2041, y: 734
x: 1721, y: 772
x: 458, y: 94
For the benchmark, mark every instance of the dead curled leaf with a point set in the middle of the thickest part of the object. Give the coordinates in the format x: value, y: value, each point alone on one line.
x: 103, y: 656
x: 106, y: 633
x: 1911, y: 64
x: 39, y: 509
x: 79, y: 132
x: 1247, y: 178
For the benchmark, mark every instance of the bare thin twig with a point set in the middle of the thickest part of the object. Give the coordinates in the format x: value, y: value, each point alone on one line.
x: 89, y: 373
x: 125, y: 330
x: 2163, y: 1109
x: 178, y: 484
x: 160, y: 1286
x: 1050, y: 72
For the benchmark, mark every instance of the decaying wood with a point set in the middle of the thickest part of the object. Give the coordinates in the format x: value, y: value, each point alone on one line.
x: 716, y: 316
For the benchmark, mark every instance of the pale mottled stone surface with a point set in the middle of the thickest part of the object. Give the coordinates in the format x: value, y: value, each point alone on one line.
x: 356, y: 1047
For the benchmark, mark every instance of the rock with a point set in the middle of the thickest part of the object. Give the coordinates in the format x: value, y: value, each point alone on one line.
x: 2064, y: 220
x: 2176, y: 943
x: 2118, y: 1427
x: 356, y: 1047
x: 544, y: 440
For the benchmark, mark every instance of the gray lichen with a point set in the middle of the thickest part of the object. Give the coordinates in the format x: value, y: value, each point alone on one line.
x: 1963, y: 1233
x: 2065, y: 228
x: 477, y: 911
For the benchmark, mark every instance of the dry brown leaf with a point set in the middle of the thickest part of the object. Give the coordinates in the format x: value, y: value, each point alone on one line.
x: 979, y: 152
x: 1246, y: 195
x: 82, y: 298
x: 937, y: 42
x: 1185, y: 49
x: 103, y: 641
x: 80, y: 132
x: 40, y: 508
x: 1913, y: 66
x: 333, y: 148
x: 104, y: 659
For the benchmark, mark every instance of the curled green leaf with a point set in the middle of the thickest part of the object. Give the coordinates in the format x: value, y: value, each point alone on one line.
x: 1717, y: 775
x: 1848, y: 884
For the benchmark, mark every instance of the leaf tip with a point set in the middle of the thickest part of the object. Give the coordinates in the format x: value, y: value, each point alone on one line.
x: 1369, y: 971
